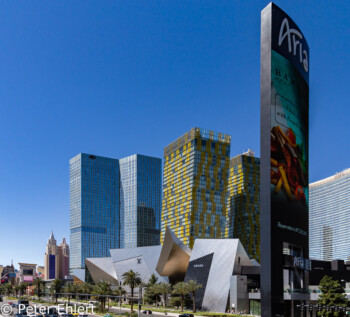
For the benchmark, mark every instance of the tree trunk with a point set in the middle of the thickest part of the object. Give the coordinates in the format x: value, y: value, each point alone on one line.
x: 182, y: 303
x: 194, y: 302
x: 164, y: 298
x: 132, y: 301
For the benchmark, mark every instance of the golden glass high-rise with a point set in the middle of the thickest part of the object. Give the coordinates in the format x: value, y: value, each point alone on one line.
x: 243, y: 202
x: 194, y: 185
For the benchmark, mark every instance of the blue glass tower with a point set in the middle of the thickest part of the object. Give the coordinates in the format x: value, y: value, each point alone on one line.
x: 113, y: 204
x: 140, y: 201
x: 94, y: 207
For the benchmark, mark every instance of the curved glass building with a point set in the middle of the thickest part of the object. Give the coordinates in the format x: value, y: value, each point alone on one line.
x: 329, y: 208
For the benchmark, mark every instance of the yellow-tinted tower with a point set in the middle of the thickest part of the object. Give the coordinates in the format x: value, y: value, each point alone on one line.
x: 243, y: 202
x: 194, y: 185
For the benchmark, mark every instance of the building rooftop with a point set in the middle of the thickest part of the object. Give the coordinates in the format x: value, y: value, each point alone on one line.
x: 192, y: 134
x: 27, y: 264
x: 331, y: 178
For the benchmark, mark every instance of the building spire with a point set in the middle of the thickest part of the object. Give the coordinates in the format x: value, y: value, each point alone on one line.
x: 52, y: 236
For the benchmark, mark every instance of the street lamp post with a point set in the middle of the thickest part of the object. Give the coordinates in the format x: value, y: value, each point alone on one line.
x: 120, y: 299
x: 139, y: 302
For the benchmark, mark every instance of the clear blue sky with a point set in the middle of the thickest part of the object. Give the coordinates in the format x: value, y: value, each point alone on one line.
x: 116, y: 78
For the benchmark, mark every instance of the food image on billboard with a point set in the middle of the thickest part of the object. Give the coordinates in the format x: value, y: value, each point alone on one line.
x: 289, y: 128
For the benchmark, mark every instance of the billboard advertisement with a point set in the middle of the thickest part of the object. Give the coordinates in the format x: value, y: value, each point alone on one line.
x: 28, y: 272
x: 28, y: 279
x: 284, y: 151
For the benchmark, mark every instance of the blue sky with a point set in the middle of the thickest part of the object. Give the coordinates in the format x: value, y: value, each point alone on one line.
x: 114, y: 78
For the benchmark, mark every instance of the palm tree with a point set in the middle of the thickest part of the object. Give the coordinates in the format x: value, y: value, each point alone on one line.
x: 141, y: 287
x: 85, y: 288
x: 102, y: 289
x: 181, y: 289
x: 69, y: 289
x: 23, y: 287
x: 16, y: 290
x: 132, y: 279
x: 193, y: 286
x: 38, y: 283
x: 8, y: 289
x: 120, y: 291
x: 164, y: 289
x: 56, y: 287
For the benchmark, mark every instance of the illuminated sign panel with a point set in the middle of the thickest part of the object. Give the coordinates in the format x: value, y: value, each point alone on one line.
x: 284, y: 151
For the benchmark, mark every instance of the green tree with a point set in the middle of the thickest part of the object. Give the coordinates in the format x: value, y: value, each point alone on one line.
x: 16, y: 289
x: 22, y: 288
x: 154, y: 293
x: 8, y: 289
x: 39, y: 285
x: 164, y: 289
x: 152, y: 280
x: 193, y: 286
x: 182, y: 290
x: 120, y: 291
x: 175, y: 301
x: 84, y: 288
x: 69, y: 288
x: 131, y: 279
x: 142, y: 286
x: 56, y: 287
x: 149, y: 294
x: 101, y: 290
x: 332, y: 294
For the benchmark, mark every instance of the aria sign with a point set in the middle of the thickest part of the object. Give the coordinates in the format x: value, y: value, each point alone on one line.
x: 284, y: 164
x: 293, y: 38
x: 297, y: 262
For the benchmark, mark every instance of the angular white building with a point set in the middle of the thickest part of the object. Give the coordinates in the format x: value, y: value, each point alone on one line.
x: 216, y: 264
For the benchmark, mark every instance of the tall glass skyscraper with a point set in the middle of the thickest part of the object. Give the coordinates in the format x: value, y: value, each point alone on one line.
x: 94, y: 207
x: 113, y: 204
x: 329, y: 214
x: 243, y: 202
x: 195, y: 183
x: 140, y: 199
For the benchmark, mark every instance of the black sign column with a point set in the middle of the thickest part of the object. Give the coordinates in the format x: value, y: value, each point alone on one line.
x: 284, y: 193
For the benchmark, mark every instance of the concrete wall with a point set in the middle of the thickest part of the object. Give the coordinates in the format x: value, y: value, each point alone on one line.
x: 239, y: 297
